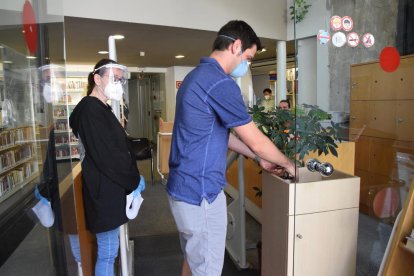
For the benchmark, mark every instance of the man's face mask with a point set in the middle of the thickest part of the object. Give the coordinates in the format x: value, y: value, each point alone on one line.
x: 243, y: 66
x: 240, y: 69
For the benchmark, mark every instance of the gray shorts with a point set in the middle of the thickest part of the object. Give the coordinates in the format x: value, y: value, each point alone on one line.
x: 202, y: 234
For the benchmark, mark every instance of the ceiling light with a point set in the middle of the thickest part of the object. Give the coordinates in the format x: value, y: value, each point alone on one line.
x: 142, y: 54
x: 7, y: 61
x: 179, y: 56
x: 103, y: 52
x: 263, y: 50
x: 118, y: 36
x: 30, y: 57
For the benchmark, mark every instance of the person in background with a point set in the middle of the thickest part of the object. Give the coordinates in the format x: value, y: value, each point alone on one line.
x: 268, y: 102
x: 284, y: 104
x: 208, y: 104
x: 109, y: 170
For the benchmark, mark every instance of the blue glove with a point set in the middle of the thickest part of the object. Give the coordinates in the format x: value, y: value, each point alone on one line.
x: 43, y: 210
x: 140, y: 188
x: 40, y: 197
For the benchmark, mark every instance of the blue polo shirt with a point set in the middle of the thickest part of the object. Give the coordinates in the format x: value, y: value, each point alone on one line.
x: 208, y: 104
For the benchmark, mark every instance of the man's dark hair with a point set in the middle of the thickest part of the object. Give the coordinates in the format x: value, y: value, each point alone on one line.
x: 267, y: 90
x: 285, y: 101
x: 236, y: 29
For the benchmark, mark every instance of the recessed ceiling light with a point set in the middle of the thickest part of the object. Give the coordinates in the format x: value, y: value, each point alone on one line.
x: 7, y: 61
x: 263, y: 50
x: 179, y: 56
x: 118, y: 36
x: 103, y: 52
x: 30, y: 57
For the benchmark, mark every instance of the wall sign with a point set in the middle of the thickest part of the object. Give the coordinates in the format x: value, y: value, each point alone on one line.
x: 347, y: 23
x: 336, y: 23
x: 368, y: 40
x: 353, y: 39
x: 338, y: 39
x: 323, y: 37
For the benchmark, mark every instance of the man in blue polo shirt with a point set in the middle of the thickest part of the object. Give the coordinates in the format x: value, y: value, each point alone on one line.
x: 208, y: 104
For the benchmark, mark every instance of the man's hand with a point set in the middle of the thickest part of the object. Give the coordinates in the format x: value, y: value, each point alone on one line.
x: 272, y: 168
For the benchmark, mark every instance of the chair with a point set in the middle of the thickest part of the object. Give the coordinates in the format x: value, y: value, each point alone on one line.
x: 143, y: 150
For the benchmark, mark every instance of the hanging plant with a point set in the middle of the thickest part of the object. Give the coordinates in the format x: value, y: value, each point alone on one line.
x: 299, y: 10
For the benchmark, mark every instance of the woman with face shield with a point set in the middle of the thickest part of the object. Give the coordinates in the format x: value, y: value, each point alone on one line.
x: 109, y: 170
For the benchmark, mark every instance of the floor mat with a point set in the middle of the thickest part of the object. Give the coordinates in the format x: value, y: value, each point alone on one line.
x: 160, y: 255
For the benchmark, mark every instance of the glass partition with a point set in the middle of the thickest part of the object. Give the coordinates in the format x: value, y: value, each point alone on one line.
x: 354, y: 61
x: 37, y: 212
x: 345, y: 71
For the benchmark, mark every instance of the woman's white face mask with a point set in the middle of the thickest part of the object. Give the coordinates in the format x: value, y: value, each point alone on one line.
x: 114, y: 91
x: 52, y: 93
x: 114, y: 79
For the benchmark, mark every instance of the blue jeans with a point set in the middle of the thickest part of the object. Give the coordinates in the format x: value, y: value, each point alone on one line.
x: 75, y: 247
x: 108, y: 244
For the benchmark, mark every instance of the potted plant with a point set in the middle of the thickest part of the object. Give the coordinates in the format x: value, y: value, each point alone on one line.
x: 296, y: 133
x: 299, y: 131
x: 295, y: 213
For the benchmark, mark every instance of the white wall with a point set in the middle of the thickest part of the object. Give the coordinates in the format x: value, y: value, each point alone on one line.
x: 267, y: 17
x: 317, y: 18
x: 174, y: 74
x: 313, y: 58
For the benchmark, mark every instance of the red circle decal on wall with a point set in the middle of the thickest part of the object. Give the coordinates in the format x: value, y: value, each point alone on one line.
x: 29, y: 27
x: 389, y: 59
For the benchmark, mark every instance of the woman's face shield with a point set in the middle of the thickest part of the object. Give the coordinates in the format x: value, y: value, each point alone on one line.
x: 52, y: 81
x: 116, y: 79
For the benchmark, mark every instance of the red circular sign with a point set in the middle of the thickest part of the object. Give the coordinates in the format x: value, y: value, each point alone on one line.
x: 347, y: 23
x: 336, y: 23
x: 389, y: 59
x: 29, y: 27
x: 353, y: 39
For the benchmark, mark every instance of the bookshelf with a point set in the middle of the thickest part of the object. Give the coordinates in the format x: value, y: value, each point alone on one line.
x: 65, y: 142
x: 19, y: 148
x: 18, y: 160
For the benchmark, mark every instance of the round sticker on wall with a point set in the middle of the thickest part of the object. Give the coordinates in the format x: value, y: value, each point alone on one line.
x: 353, y: 39
x: 368, y: 40
x: 323, y: 37
x: 29, y: 27
x: 338, y: 39
x: 336, y: 23
x: 347, y: 23
x: 389, y: 59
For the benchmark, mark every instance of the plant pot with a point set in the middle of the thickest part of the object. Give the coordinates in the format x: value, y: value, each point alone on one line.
x: 309, y: 227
